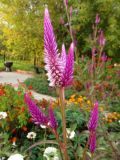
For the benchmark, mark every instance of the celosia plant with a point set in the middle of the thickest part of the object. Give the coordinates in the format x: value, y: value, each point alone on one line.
x: 92, y: 126
x: 59, y: 68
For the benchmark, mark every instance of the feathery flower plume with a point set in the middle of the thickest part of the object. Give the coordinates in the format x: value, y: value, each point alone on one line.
x: 38, y: 116
x: 52, y: 119
x: 93, y: 122
x: 97, y: 20
x: 68, y: 72
x: 57, y: 65
x: 92, y: 142
x: 101, y: 39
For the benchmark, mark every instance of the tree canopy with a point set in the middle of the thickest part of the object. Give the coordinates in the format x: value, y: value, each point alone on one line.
x: 21, y: 25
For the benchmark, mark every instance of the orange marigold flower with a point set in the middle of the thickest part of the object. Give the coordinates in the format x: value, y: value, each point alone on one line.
x: 14, y: 139
x: 24, y: 128
x: 18, y: 93
x: 30, y: 87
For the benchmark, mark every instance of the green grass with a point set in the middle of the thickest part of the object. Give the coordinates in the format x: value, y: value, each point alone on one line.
x: 18, y: 65
x: 41, y: 85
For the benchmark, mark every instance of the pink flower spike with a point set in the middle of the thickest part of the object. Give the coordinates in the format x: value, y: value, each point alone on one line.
x: 49, y: 37
x: 101, y: 39
x: 68, y: 72
x: 93, y: 122
x: 92, y: 142
x: 53, y: 65
x: 97, y: 21
x: 59, y: 67
x: 63, y: 57
x: 52, y: 119
x: 38, y: 116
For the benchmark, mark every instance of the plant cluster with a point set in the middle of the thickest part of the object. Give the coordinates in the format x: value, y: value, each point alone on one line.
x: 76, y: 128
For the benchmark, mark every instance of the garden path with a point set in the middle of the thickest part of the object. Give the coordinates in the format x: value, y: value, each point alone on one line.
x: 13, y: 77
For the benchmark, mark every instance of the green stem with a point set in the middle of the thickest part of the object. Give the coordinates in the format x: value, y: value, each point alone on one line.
x: 62, y: 105
x: 70, y: 30
x: 85, y: 150
x: 45, y: 137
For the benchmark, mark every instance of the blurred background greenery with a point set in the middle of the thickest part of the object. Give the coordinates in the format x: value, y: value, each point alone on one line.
x: 21, y: 27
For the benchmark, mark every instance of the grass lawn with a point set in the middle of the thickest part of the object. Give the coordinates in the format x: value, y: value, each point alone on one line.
x: 18, y: 65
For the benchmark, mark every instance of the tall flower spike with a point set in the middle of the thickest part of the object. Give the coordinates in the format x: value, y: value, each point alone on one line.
x: 92, y: 142
x: 53, y: 65
x: 68, y: 72
x: 37, y: 115
x: 56, y: 63
x: 52, y: 119
x: 93, y: 122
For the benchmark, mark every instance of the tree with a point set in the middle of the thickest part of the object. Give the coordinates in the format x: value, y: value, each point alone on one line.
x: 23, y: 28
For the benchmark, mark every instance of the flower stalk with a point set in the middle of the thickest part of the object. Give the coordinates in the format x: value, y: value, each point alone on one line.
x: 62, y: 105
x: 69, y: 16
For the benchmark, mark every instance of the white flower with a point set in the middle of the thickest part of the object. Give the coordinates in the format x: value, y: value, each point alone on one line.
x: 31, y: 135
x: 14, y: 144
x: 56, y: 158
x: 16, y: 157
x: 42, y: 126
x: 70, y: 134
x: 51, y: 152
x: 119, y: 121
x: 3, y: 115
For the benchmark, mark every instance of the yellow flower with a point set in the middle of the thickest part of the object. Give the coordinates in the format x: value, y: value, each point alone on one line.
x: 71, y: 100
x: 76, y: 102
x: 88, y: 102
x: 101, y: 109
x: 84, y: 98
x: 73, y: 96
x: 80, y: 99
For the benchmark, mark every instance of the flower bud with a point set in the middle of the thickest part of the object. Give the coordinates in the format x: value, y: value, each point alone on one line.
x: 97, y: 20
x: 71, y: 9
x: 66, y: 3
